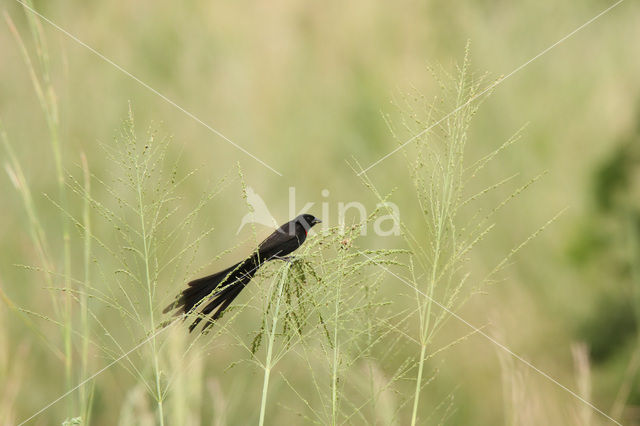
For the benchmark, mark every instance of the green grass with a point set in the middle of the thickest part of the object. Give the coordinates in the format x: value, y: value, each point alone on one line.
x: 99, y: 235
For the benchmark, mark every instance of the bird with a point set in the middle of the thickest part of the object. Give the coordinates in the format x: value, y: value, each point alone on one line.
x: 224, y: 286
x: 259, y: 212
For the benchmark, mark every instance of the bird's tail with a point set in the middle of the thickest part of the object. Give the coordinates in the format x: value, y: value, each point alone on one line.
x: 227, y: 284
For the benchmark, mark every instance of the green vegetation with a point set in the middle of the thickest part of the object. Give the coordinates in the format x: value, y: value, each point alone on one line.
x: 527, y: 236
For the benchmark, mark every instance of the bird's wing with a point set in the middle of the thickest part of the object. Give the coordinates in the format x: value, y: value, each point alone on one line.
x: 278, y: 243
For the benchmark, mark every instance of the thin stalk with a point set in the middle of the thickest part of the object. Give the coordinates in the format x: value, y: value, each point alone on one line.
x: 334, y: 374
x: 86, y: 397
x: 425, y: 324
x: 272, y: 334
x: 336, y: 351
x: 145, y: 244
x: 66, y: 237
x: 44, y: 89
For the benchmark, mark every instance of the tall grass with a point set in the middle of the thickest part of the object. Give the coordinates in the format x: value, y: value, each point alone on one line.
x: 452, y: 223
x: 326, y: 331
x: 323, y: 310
x: 154, y: 243
x: 40, y: 75
x: 144, y: 243
x: 134, y: 237
x: 270, y: 331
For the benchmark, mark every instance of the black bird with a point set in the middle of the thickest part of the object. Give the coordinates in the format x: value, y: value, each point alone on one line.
x: 229, y: 282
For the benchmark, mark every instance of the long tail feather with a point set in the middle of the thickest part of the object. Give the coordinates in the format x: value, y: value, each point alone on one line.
x: 198, y: 289
x: 219, y: 304
x: 231, y: 280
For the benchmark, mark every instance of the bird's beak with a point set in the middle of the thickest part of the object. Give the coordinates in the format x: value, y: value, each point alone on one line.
x: 316, y: 220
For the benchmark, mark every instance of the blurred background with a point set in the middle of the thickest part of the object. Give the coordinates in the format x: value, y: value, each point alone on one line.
x: 303, y: 86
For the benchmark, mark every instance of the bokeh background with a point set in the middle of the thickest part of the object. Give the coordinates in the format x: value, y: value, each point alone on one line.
x: 303, y: 86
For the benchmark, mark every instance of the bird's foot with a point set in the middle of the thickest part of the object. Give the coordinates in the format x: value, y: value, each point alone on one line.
x: 289, y: 259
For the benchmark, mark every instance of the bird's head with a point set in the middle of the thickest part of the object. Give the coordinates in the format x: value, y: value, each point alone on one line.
x: 307, y: 221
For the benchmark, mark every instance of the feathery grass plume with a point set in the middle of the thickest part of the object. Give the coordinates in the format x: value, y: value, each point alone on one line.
x: 323, y: 308
x: 151, y: 242
x: 452, y: 224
